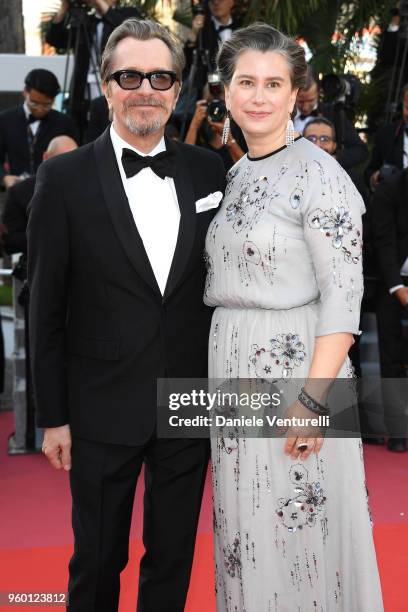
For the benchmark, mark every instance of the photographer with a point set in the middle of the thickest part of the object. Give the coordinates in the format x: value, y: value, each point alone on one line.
x: 389, y: 219
x: 351, y: 151
x: 26, y: 130
x: 85, y: 26
x: 214, y: 25
x: 207, y: 125
x: 390, y: 151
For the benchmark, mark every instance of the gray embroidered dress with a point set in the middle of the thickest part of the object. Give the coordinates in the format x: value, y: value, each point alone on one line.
x: 284, y: 266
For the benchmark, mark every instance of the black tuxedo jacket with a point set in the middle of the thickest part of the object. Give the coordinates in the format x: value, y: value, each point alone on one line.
x: 389, y: 222
x: 14, y: 143
x: 388, y: 148
x: 101, y: 332
x: 15, y: 216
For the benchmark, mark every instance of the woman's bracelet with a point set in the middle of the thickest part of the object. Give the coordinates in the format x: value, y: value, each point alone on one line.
x: 310, y: 403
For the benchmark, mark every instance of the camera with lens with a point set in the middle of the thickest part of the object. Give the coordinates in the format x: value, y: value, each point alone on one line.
x: 341, y: 89
x: 216, y: 108
x: 386, y: 171
x: 78, y: 5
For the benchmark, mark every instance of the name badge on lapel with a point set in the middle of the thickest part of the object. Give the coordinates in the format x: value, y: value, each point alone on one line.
x: 210, y: 201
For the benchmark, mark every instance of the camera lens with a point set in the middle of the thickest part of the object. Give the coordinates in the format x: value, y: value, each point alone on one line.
x: 217, y: 110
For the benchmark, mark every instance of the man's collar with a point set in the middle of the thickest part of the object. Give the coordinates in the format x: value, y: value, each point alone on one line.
x: 119, y: 144
x: 219, y: 24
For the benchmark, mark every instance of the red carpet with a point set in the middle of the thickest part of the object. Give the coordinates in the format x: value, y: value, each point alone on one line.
x: 36, y: 540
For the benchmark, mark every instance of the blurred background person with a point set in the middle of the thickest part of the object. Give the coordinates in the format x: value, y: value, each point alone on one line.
x: 213, y: 23
x: 15, y: 218
x: 15, y: 215
x: 389, y: 219
x: 390, y: 150
x: 26, y: 130
x: 213, y: 26
x: 86, y: 33
x: 351, y: 151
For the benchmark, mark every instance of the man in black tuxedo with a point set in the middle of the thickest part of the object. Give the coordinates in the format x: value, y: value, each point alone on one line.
x: 389, y: 221
x: 351, y: 151
x: 390, y: 146
x: 26, y: 131
x: 208, y: 31
x: 116, y: 275
x: 15, y: 215
x: 73, y: 28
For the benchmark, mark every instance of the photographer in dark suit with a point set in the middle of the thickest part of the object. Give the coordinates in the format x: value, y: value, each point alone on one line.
x: 89, y: 40
x: 26, y: 130
x: 389, y: 220
x: 390, y: 147
x: 212, y: 28
x: 117, y: 276
x: 207, y: 124
x: 351, y: 151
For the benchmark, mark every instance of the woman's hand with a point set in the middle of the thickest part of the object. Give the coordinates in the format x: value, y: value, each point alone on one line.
x: 302, y: 440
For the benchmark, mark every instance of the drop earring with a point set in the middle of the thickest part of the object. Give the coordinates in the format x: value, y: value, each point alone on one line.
x: 290, y: 133
x: 226, y: 130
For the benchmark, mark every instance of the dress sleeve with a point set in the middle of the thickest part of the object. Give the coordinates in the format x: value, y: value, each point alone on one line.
x: 332, y: 225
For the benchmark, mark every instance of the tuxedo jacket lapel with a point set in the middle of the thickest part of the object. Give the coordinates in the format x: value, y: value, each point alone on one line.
x: 187, y: 229
x: 119, y: 209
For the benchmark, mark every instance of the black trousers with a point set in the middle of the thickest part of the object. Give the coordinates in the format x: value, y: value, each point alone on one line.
x: 392, y: 345
x: 103, y: 481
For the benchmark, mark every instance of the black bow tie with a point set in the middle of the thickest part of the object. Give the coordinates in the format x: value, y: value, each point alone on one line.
x: 32, y: 119
x: 406, y: 129
x: 221, y: 28
x: 314, y: 113
x: 162, y: 164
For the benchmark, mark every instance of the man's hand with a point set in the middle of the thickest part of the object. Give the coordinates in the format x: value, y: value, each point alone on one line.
x: 375, y: 180
x: 402, y: 295
x: 216, y: 126
x: 57, y: 446
x: 63, y: 10
x: 196, y: 26
x: 9, y: 180
x: 200, y: 114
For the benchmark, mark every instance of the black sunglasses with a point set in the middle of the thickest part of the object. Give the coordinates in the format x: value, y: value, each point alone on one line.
x: 132, y: 79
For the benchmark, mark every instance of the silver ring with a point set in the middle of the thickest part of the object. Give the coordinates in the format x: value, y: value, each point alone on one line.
x: 302, y: 447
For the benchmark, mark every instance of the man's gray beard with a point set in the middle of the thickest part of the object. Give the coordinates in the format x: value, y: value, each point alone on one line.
x: 142, y: 128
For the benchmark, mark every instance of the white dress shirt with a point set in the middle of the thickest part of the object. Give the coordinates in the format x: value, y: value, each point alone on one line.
x: 300, y: 123
x: 225, y: 34
x: 155, y: 209
x: 35, y: 124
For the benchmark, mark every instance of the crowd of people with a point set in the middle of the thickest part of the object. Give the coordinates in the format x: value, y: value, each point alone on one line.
x: 32, y: 131
x: 116, y: 308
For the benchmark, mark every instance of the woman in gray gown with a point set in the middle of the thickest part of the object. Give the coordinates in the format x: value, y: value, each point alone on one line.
x: 292, y: 525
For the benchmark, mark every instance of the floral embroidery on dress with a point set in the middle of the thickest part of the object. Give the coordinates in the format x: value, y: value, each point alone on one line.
x: 307, y: 503
x: 336, y: 223
x: 287, y: 350
x: 246, y: 207
x: 232, y: 557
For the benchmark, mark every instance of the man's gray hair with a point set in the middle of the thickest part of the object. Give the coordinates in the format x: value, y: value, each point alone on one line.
x: 142, y: 30
x: 262, y: 37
